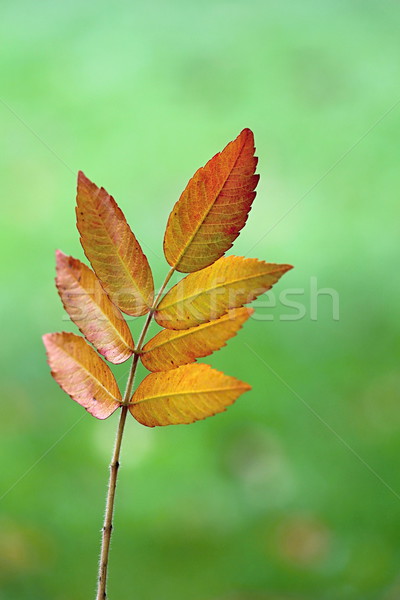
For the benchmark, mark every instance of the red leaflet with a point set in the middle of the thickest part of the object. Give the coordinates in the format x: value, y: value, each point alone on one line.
x: 213, y: 208
x: 81, y: 373
x: 89, y: 307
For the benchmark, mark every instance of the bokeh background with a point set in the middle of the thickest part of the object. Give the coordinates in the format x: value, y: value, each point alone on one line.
x: 294, y: 493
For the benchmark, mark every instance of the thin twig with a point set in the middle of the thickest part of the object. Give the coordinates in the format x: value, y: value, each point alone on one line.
x: 107, y: 527
x: 114, y: 465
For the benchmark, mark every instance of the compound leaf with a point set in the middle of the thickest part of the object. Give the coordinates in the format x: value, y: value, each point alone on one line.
x: 213, y: 208
x: 82, y: 374
x: 208, y: 294
x: 170, y: 349
x: 184, y: 395
x: 89, y: 307
x: 112, y: 249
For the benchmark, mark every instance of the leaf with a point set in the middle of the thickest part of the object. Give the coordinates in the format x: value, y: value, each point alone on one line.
x: 213, y: 208
x: 231, y: 282
x: 89, y: 307
x: 184, y: 395
x: 112, y: 249
x: 169, y: 349
x: 82, y: 374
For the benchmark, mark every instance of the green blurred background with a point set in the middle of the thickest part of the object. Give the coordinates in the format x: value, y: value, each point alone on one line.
x: 294, y: 492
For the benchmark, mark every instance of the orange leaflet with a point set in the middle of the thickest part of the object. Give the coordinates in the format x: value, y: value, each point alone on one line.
x: 169, y: 349
x: 112, y: 249
x: 213, y: 208
x: 89, y: 307
x: 206, y: 295
x: 82, y: 374
x: 184, y: 395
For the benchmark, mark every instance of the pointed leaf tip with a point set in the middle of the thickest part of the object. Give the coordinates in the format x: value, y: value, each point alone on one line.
x: 213, y: 208
x: 112, y: 249
x: 82, y: 374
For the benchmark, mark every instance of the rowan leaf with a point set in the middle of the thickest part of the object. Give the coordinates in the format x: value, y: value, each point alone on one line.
x: 82, y: 374
x: 112, y: 249
x: 184, y: 395
x: 213, y: 208
x: 170, y: 349
x: 89, y: 307
x: 208, y: 294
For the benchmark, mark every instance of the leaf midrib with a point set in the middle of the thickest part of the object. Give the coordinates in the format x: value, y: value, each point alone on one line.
x: 193, y: 393
x: 205, y: 291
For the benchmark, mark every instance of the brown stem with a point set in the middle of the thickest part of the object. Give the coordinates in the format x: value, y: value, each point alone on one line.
x: 107, y: 527
x: 114, y: 465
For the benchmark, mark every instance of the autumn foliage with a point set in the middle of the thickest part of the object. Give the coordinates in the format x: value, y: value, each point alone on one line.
x: 198, y: 315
